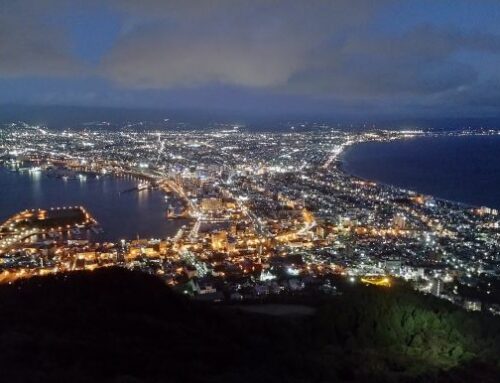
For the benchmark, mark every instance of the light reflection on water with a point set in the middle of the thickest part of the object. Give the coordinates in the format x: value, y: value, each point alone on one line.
x: 121, y: 215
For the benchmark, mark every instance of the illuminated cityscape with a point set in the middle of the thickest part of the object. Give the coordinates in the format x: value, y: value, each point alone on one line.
x: 266, y: 214
x: 250, y: 191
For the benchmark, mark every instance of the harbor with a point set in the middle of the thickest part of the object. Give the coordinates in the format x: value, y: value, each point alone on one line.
x: 139, y: 213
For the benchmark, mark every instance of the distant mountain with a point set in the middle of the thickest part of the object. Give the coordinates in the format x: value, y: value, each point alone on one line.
x: 63, y: 116
x: 74, y: 116
x: 118, y: 326
x: 59, y: 117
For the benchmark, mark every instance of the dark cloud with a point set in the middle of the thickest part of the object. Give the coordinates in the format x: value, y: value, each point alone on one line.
x: 255, y: 44
x: 427, y: 41
x: 29, y: 47
x: 421, y: 61
x: 313, y: 53
x: 482, y: 96
x: 298, y: 47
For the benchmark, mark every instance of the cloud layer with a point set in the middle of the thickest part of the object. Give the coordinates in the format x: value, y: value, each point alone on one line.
x: 339, y: 52
x: 254, y: 44
x: 29, y: 48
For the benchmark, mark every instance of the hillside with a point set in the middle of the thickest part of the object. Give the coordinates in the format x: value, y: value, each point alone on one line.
x: 119, y: 326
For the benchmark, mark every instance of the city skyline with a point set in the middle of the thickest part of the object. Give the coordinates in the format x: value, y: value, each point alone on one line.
x: 250, y: 191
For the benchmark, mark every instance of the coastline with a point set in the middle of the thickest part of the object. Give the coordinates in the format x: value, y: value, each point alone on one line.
x: 116, y: 218
x: 340, y: 164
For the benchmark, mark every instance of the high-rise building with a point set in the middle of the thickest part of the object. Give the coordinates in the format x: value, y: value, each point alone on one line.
x: 437, y: 287
x: 399, y: 221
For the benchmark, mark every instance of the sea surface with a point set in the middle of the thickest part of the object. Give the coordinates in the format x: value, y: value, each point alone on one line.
x: 121, y: 215
x: 463, y: 169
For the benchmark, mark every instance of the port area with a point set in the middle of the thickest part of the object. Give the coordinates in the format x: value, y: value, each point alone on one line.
x: 37, y: 222
x: 180, y: 206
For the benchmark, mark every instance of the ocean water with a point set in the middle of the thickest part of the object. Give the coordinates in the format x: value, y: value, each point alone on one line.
x: 462, y: 169
x: 121, y: 215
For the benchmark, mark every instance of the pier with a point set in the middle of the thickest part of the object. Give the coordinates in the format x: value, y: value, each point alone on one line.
x: 36, y: 222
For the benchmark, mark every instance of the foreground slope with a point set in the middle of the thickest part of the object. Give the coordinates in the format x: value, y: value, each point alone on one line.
x: 119, y: 326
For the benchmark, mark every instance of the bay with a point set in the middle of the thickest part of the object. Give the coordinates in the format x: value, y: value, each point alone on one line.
x: 464, y: 169
x: 121, y: 215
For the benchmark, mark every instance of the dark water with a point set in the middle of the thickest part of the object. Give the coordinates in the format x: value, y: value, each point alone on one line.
x: 120, y: 215
x: 464, y: 169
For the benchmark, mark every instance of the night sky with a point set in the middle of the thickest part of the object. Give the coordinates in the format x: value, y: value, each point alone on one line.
x: 348, y: 57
